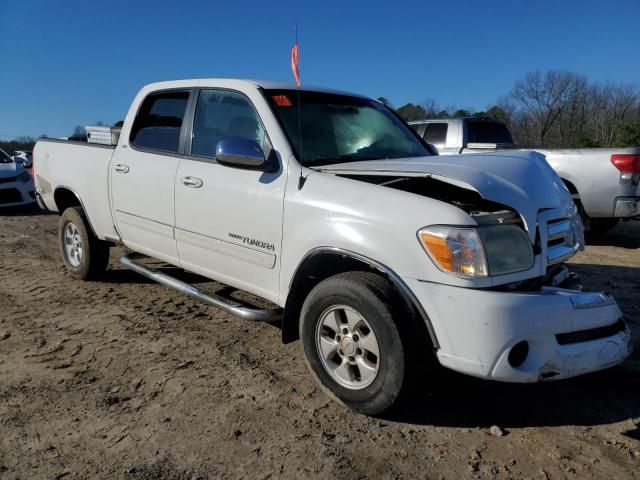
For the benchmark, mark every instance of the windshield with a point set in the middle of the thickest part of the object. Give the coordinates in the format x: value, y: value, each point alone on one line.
x: 340, y: 128
x: 4, y: 158
x: 487, y: 131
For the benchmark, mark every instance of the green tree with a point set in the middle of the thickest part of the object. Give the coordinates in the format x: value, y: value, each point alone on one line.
x: 460, y: 113
x: 630, y: 135
x: 411, y: 112
x: 385, y: 100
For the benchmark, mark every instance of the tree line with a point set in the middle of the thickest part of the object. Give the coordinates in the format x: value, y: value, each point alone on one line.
x: 556, y: 109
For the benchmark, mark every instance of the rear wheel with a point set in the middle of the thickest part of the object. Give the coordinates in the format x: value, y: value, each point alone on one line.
x: 351, y: 335
x: 85, y: 256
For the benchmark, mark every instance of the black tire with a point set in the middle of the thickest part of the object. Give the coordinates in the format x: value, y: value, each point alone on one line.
x: 94, y: 257
x: 600, y: 226
x: 374, y: 299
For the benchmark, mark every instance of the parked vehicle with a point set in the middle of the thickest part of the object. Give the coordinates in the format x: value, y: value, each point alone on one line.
x: 24, y: 157
x: 603, y: 181
x: 16, y: 183
x: 375, y: 252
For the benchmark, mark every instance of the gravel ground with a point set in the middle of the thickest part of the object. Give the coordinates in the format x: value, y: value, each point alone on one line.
x: 127, y: 379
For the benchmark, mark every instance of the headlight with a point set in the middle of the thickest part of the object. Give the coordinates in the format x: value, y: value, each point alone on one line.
x: 455, y: 250
x: 24, y: 177
x: 478, y: 252
x: 507, y: 248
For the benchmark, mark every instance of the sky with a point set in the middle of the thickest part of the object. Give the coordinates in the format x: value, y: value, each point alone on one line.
x: 72, y: 62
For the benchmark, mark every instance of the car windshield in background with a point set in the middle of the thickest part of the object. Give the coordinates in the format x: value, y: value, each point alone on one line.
x: 339, y: 128
x: 485, y: 131
x: 4, y: 158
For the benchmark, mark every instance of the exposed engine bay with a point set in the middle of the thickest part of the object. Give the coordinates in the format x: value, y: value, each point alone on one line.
x: 484, y: 212
x: 481, y: 210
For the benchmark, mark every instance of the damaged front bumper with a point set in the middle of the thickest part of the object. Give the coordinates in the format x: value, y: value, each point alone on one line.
x: 517, y: 336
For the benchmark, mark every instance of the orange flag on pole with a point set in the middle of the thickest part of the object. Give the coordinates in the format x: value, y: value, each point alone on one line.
x: 294, y: 63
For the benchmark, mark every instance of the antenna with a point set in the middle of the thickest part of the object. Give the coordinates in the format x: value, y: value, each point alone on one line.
x: 302, y: 178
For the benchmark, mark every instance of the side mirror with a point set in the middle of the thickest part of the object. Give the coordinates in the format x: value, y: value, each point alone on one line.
x: 240, y: 152
x: 19, y: 160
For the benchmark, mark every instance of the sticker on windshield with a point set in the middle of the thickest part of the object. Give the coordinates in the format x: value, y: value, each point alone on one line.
x: 282, y: 101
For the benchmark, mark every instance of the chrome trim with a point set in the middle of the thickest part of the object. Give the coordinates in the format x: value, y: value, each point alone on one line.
x: 627, y: 207
x: 569, y: 231
x: 560, y: 254
x: 591, y: 300
x: 225, y: 304
x: 395, y: 279
x: 193, y: 182
x: 559, y: 229
x: 238, y: 151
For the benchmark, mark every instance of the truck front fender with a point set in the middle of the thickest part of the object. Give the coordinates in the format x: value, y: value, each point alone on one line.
x: 323, y: 262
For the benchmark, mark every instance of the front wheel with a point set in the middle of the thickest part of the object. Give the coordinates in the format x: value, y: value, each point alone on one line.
x: 352, y: 341
x: 85, y: 256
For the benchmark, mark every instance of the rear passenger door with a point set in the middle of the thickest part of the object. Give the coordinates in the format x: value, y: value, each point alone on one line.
x: 143, y: 173
x: 229, y: 219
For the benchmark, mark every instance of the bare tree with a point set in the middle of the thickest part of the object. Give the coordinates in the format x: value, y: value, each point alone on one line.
x: 545, y: 96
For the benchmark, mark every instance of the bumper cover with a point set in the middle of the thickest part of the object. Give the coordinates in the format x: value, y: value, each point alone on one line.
x: 477, y: 329
x: 14, y: 194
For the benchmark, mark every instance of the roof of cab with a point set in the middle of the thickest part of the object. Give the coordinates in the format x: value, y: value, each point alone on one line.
x: 239, y: 82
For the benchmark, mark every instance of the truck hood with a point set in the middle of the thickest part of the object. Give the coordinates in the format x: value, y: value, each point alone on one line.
x: 523, y: 181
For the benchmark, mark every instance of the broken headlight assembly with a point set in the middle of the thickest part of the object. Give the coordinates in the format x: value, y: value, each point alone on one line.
x: 478, y: 251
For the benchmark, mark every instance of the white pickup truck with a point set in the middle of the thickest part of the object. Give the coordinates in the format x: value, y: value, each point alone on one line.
x: 604, y: 182
x: 376, y: 253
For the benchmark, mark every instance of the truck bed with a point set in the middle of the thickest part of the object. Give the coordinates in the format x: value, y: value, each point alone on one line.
x: 82, y: 168
x: 590, y: 171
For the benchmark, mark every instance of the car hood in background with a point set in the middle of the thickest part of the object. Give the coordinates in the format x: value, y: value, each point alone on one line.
x: 9, y: 170
x: 523, y: 181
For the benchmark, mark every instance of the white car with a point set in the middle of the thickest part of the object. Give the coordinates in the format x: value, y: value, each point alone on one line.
x: 24, y: 157
x: 16, y: 183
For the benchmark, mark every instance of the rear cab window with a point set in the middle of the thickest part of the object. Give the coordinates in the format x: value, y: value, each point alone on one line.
x: 159, y: 121
x: 436, y: 133
x: 487, y: 131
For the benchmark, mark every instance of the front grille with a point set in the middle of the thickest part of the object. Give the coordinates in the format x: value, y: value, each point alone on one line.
x: 8, y: 179
x: 564, y: 239
x: 591, y: 334
x: 10, y: 195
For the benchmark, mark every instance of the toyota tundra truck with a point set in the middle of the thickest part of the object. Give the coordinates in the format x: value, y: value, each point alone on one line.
x: 374, y: 252
x: 604, y: 182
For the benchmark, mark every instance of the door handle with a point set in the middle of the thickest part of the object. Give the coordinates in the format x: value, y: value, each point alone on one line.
x: 122, y: 168
x: 193, y: 182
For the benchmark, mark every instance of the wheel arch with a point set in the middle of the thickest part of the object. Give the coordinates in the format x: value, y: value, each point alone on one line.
x: 324, y: 262
x: 66, y: 197
x: 572, y: 188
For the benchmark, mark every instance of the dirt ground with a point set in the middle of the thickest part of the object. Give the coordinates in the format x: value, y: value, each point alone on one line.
x: 127, y: 379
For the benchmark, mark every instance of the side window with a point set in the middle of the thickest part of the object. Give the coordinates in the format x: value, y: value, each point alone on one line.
x: 159, y: 120
x: 220, y: 114
x: 436, y: 133
x: 419, y: 128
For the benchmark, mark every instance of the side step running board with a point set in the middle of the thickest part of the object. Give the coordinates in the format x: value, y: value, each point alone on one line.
x: 225, y: 304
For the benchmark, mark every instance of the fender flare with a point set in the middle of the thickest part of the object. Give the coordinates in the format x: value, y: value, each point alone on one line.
x: 80, y: 202
x: 405, y: 292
